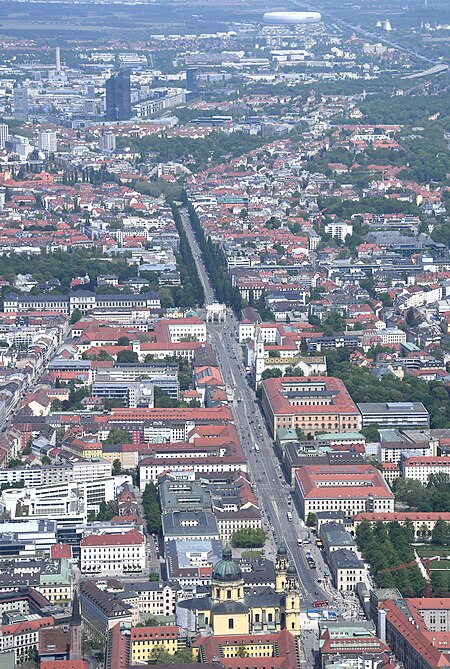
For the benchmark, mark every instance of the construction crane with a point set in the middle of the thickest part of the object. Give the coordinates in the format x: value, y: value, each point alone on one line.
x: 415, y: 563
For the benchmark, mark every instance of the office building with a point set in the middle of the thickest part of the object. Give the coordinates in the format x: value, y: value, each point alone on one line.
x: 416, y: 630
x: 20, y: 102
x: 394, y: 446
x: 4, y: 132
x: 312, y: 404
x: 350, y: 643
x: 191, y: 81
x: 25, y: 536
x: 47, y: 141
x: 394, y: 414
x: 118, y: 97
x: 348, y: 488
x: 102, y: 610
x: 84, y: 470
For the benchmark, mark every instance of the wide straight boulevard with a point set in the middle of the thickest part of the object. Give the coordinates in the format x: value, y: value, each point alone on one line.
x: 273, y: 491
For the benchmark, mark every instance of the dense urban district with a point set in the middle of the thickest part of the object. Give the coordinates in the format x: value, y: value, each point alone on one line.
x: 225, y: 335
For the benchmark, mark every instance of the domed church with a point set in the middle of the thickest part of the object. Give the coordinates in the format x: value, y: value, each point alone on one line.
x: 230, y: 610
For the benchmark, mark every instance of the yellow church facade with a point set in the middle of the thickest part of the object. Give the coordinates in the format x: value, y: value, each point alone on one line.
x: 229, y: 610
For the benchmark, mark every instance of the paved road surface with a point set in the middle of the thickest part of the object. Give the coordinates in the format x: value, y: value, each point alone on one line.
x: 274, y: 493
x: 209, y: 292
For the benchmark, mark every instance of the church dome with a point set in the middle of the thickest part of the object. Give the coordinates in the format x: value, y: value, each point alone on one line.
x: 226, y: 570
x: 291, y: 570
x: 282, y: 551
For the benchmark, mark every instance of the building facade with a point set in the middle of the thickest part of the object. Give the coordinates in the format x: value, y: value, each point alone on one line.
x: 113, y: 553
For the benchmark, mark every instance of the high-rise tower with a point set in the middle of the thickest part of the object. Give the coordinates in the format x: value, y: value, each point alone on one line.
x: 191, y: 81
x: 20, y: 96
x: 118, y: 97
x: 4, y: 132
x: 58, y: 61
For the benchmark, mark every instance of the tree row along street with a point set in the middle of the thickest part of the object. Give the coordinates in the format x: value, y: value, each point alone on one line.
x: 266, y: 474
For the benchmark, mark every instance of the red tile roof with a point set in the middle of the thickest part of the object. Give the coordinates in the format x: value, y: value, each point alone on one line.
x: 342, y: 481
x: 342, y: 403
x: 131, y: 538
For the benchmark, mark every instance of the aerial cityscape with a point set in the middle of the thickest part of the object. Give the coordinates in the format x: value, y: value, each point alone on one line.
x: 225, y: 334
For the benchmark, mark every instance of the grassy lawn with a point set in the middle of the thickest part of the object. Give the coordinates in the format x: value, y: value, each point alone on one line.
x: 431, y: 551
x: 251, y: 554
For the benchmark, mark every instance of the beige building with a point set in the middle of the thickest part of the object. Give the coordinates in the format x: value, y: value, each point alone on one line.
x: 156, y: 599
x: 423, y: 522
x: 230, y: 522
x: 311, y: 404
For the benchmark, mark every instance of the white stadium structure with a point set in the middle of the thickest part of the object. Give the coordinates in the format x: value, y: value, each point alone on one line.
x: 292, y: 17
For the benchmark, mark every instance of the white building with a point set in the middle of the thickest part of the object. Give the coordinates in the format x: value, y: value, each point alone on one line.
x: 186, y: 328
x: 107, y: 141
x: 339, y: 230
x: 84, y: 470
x: 113, y: 553
x: 420, y: 467
x: 64, y: 502
x: 4, y: 132
x: 47, y: 141
x: 390, y: 336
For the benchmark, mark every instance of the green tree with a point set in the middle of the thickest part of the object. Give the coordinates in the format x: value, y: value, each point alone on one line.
x: 410, y: 318
x: 271, y: 373
x: 118, y: 436
x: 75, y: 316
x: 152, y: 511
x: 183, y: 656
x: 14, y: 463
x: 107, y: 510
x: 311, y: 519
x: 123, y: 341
x: 371, y: 433
x: 249, y: 538
x: 127, y: 356
x: 441, y: 534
